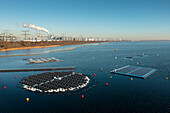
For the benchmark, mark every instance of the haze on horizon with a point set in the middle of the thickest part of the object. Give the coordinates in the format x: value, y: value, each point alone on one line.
x: 127, y: 19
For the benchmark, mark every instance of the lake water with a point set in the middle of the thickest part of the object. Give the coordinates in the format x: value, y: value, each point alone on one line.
x: 121, y: 95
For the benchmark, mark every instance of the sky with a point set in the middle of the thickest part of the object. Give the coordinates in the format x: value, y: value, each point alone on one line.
x: 127, y: 19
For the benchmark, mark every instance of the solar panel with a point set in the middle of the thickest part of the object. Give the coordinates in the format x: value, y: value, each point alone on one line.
x: 135, y: 71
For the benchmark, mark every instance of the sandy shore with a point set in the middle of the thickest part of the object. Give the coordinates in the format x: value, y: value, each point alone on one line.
x: 42, y: 53
x: 20, y: 55
x: 66, y: 49
x: 10, y: 46
x: 42, y: 47
x: 11, y: 49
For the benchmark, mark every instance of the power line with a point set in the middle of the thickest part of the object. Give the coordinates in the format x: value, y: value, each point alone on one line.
x: 25, y: 33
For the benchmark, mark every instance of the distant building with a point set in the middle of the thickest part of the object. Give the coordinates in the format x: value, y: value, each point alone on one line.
x: 7, y: 38
x: 89, y: 39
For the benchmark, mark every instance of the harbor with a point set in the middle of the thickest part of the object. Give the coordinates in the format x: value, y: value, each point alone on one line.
x: 95, y: 62
x: 85, y: 56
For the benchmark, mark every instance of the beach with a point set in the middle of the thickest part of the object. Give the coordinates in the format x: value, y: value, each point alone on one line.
x: 10, y: 46
x: 42, y: 53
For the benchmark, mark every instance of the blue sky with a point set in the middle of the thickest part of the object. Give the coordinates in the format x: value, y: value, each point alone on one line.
x: 130, y: 19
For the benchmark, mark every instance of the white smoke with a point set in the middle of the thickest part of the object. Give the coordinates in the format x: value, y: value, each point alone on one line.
x: 32, y: 26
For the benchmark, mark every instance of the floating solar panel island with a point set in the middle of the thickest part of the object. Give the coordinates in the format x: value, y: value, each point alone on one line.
x: 42, y: 60
x: 135, y: 71
x: 55, y: 82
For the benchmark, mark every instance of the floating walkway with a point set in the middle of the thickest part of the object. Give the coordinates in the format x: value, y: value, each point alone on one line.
x: 42, y: 60
x: 55, y: 82
x: 43, y: 69
x: 137, y: 56
x: 141, y: 72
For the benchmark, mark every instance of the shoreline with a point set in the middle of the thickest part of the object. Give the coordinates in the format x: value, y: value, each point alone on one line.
x: 10, y: 46
x: 21, y: 55
x: 35, y: 47
x: 67, y: 49
x: 49, y: 52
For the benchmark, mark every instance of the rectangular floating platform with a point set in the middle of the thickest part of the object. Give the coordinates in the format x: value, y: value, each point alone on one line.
x: 135, y: 71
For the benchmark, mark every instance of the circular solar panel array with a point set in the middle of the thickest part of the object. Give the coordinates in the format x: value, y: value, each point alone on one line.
x: 53, y: 82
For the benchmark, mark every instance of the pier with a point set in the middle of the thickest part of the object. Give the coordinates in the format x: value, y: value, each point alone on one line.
x: 42, y: 69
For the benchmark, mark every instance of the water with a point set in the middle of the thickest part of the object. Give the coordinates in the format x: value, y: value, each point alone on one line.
x: 121, y: 95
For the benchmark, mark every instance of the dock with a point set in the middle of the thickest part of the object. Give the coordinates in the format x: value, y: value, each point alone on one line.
x: 42, y: 69
x: 134, y: 71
